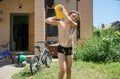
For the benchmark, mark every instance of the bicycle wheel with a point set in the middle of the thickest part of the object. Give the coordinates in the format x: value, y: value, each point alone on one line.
x: 10, y: 58
x: 34, y: 65
x: 48, y: 59
x: 43, y: 59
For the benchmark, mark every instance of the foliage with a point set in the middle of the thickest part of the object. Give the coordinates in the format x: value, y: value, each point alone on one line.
x: 102, y: 47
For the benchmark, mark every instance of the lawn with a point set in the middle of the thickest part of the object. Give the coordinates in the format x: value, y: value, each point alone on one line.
x: 80, y: 70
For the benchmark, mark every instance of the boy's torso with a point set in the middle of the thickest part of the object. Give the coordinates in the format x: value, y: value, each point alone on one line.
x: 64, y: 34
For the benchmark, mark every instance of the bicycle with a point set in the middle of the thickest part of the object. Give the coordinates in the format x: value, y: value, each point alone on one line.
x: 6, y: 53
x: 44, y: 58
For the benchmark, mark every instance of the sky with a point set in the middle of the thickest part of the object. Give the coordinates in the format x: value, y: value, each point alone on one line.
x: 105, y: 12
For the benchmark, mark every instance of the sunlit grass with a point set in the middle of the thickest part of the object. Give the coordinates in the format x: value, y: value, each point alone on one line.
x: 80, y: 70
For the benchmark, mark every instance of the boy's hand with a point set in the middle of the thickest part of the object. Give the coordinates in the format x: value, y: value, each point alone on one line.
x: 60, y: 8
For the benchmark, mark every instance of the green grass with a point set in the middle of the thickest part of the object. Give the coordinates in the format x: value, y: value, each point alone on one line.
x: 80, y: 70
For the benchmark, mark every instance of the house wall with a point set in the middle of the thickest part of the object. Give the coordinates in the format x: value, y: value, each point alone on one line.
x: 12, y: 6
x: 39, y: 20
x: 85, y: 7
x: 68, y: 4
x: 37, y: 8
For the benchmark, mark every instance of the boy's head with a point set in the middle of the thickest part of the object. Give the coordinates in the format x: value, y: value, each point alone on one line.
x: 74, y: 15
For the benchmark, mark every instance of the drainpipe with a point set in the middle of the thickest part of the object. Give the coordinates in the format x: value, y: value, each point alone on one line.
x: 45, y: 4
x: 77, y: 4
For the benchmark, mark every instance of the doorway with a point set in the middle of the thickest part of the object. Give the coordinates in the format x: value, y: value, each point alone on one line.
x: 19, y: 32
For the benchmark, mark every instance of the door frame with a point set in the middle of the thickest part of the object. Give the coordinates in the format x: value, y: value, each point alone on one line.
x: 12, y: 15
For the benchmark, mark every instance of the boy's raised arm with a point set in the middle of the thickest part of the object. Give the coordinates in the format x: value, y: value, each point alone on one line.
x: 52, y: 21
x: 74, y: 24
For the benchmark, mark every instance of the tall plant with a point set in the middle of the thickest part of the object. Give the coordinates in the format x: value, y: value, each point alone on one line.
x: 103, y: 47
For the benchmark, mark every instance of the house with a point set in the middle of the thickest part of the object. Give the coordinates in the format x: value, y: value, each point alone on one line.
x: 116, y: 23
x: 22, y: 22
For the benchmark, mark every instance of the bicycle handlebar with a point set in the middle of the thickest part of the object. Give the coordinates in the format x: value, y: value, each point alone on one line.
x: 47, y: 43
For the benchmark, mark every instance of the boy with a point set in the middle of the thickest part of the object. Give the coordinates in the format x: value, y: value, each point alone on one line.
x: 66, y: 28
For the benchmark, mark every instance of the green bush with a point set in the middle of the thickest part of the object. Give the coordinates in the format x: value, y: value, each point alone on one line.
x: 101, y: 48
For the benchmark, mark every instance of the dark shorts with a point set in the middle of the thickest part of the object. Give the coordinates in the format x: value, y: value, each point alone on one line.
x: 65, y: 50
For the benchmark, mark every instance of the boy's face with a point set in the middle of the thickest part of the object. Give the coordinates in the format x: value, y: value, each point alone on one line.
x: 74, y: 17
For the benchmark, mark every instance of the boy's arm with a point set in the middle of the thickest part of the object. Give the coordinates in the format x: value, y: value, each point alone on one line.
x: 74, y: 24
x: 52, y: 21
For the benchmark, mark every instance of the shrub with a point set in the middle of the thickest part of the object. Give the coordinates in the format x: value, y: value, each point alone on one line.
x: 102, y: 48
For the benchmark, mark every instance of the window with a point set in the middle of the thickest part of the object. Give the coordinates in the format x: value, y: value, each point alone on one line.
x: 51, y: 30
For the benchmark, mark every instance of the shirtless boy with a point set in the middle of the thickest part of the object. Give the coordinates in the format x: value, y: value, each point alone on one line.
x: 66, y: 28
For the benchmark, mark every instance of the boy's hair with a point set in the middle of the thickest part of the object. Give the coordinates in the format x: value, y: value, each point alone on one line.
x: 74, y: 12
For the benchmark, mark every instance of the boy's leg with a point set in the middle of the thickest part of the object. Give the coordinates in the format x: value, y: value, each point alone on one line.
x: 61, y: 59
x: 69, y: 60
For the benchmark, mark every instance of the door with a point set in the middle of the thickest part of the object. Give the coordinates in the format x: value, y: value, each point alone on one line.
x: 19, y: 32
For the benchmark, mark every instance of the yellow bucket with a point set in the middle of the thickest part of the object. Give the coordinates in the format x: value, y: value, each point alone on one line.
x: 58, y: 13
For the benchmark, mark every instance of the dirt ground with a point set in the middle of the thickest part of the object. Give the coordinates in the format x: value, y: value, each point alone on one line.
x: 7, y: 70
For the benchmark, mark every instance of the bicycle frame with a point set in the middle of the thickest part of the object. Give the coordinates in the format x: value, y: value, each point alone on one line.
x: 42, y: 54
x: 5, y: 53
